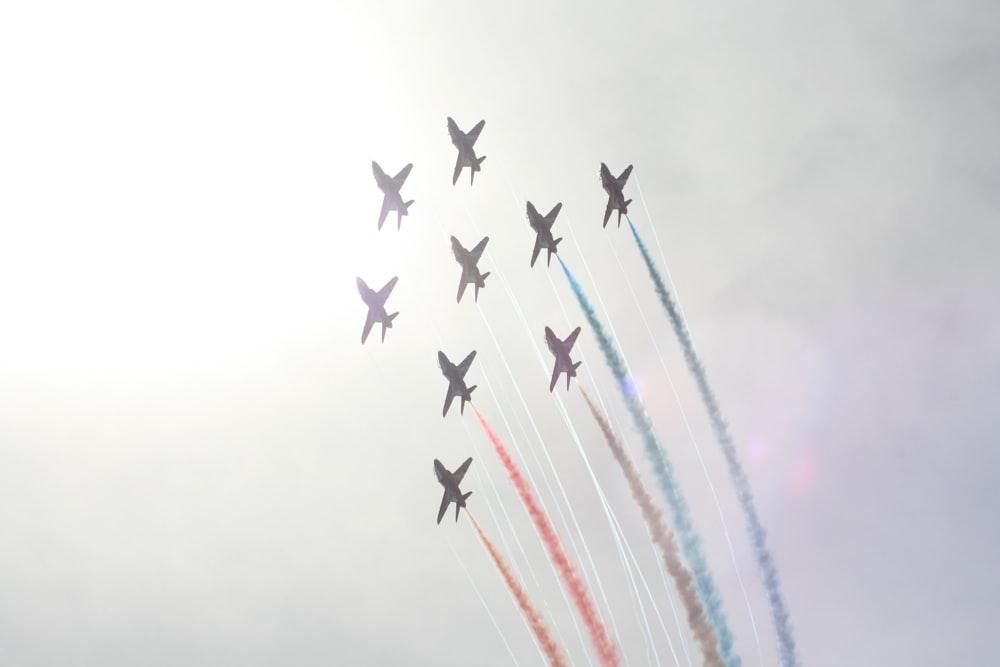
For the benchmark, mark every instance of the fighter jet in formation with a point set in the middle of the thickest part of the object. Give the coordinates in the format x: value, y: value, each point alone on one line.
x: 469, y: 259
x: 616, y: 198
x: 466, y: 153
x: 561, y: 350
x: 456, y: 380
x: 450, y: 482
x: 543, y: 231
x: 392, y: 201
x: 376, y: 307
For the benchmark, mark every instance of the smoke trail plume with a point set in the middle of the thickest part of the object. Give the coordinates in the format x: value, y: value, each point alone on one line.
x: 664, y: 539
x: 758, y: 536
x: 606, y: 650
x: 535, y: 620
x: 689, y: 540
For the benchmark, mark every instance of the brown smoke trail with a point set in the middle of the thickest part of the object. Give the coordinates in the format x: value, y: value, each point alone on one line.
x: 664, y: 539
x: 534, y: 617
x: 606, y: 650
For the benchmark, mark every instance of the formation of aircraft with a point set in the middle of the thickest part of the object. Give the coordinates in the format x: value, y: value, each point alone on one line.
x: 616, y: 198
x: 469, y: 259
x: 465, y: 143
x: 456, y: 380
x: 392, y: 200
x: 450, y: 482
x: 561, y: 350
x: 376, y: 307
x: 543, y: 231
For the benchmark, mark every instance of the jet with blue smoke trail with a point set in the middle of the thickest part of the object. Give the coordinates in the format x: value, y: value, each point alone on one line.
x: 543, y: 231
x: 758, y: 536
x: 689, y: 540
x: 616, y: 197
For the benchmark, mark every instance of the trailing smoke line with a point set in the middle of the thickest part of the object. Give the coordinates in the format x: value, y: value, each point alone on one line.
x: 607, y: 652
x: 758, y: 536
x: 534, y: 617
x: 664, y: 539
x: 689, y: 540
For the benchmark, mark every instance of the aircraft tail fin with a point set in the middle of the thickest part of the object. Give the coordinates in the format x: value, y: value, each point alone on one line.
x: 460, y: 505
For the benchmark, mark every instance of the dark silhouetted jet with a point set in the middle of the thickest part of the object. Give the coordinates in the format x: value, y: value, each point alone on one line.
x: 543, y: 231
x: 466, y: 153
x: 561, y: 348
x: 456, y: 380
x: 616, y: 198
x: 392, y: 201
x: 376, y: 307
x: 469, y: 259
x: 450, y: 482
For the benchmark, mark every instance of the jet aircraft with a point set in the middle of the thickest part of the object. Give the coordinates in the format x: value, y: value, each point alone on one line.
x: 456, y: 380
x: 561, y: 350
x: 450, y: 482
x: 469, y: 260
x: 616, y: 198
x: 543, y: 231
x: 392, y: 201
x: 466, y: 153
x: 376, y: 307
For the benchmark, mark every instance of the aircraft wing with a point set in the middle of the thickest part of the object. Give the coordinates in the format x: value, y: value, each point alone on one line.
x: 444, y: 506
x: 474, y: 132
x: 463, y: 367
x: 447, y: 400
x: 380, y: 176
x: 538, y: 249
x: 624, y: 176
x: 365, y: 291
x: 607, y: 211
x: 458, y: 169
x: 400, y: 178
x: 606, y: 173
x: 462, y: 282
x: 453, y: 128
x: 385, y: 211
x: 369, y: 321
x: 555, y: 375
x: 571, y: 339
x: 477, y: 252
x: 386, y: 290
x: 460, y: 473
x: 532, y: 215
x: 551, y: 217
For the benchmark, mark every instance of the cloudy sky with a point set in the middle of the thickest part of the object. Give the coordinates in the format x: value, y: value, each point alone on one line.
x: 200, y: 464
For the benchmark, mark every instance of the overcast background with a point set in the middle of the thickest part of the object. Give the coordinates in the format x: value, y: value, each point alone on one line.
x: 200, y: 464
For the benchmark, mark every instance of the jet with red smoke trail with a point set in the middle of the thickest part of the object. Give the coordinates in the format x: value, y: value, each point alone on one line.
x: 450, y: 482
x: 543, y: 231
x: 392, y: 200
x: 616, y: 198
x: 456, y: 380
x: 561, y: 350
x: 376, y: 306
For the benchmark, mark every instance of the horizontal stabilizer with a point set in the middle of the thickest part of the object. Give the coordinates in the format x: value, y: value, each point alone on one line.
x: 479, y: 161
x: 388, y: 322
x: 485, y: 276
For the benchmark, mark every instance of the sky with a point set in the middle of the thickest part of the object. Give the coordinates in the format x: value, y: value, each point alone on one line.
x: 201, y: 464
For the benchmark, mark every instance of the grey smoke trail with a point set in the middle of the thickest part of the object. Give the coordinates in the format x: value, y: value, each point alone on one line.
x: 758, y: 536
x: 703, y: 632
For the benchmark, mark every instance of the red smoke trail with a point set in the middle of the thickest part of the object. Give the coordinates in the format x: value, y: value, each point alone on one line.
x: 606, y: 650
x: 664, y: 539
x: 534, y: 617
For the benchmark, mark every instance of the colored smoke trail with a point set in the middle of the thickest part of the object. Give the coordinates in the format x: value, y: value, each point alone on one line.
x: 606, y: 650
x: 758, y: 536
x: 689, y: 540
x: 534, y: 617
x: 664, y: 539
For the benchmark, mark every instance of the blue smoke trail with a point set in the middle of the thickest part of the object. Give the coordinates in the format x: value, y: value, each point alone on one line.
x: 689, y: 540
x: 758, y: 536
